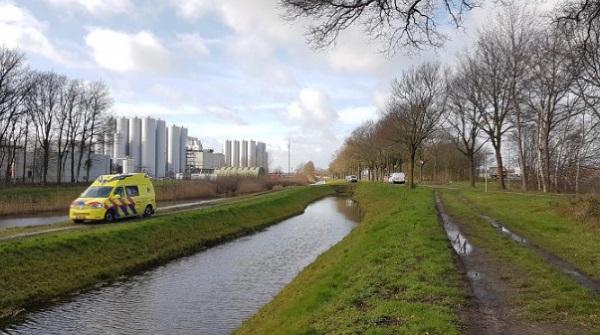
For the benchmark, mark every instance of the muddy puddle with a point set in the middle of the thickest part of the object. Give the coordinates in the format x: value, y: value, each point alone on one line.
x: 565, y: 267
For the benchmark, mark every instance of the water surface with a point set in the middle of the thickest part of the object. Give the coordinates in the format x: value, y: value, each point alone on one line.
x: 211, y: 292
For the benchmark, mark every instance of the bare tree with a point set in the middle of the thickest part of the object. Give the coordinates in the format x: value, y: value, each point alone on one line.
x: 14, y: 87
x: 44, y: 103
x: 98, y: 103
x: 492, y: 69
x: 404, y: 23
x: 552, y: 79
x: 416, y: 107
x: 465, y: 117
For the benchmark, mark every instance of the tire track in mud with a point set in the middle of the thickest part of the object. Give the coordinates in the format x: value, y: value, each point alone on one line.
x: 491, y: 313
x: 565, y: 267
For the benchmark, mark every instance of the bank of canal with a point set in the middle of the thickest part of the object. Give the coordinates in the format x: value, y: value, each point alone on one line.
x: 39, y: 269
x: 211, y: 292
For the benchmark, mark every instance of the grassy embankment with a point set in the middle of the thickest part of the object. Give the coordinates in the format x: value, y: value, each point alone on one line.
x: 38, y: 269
x: 539, y: 291
x: 393, y: 274
x: 31, y: 199
x: 548, y: 221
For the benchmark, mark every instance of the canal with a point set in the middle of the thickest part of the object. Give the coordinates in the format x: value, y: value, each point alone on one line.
x: 211, y: 292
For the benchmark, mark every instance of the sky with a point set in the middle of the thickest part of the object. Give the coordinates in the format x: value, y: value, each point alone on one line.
x: 229, y: 69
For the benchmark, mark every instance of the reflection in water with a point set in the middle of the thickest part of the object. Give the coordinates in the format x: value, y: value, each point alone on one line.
x: 211, y: 292
x: 459, y: 242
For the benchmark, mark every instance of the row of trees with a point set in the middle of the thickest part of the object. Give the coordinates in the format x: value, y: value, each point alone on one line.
x: 49, y: 116
x: 529, y: 87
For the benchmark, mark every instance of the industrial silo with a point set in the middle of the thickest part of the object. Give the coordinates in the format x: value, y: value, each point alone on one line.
x: 235, y: 159
x: 252, y: 154
x: 244, y: 154
x: 121, y: 139
x: 227, y: 151
x: 266, y: 166
x: 128, y: 165
x: 135, y: 142
x: 183, y: 135
x: 161, y: 149
x: 99, y: 144
x: 260, y: 154
x: 108, y: 144
x: 173, y: 149
x: 149, y: 146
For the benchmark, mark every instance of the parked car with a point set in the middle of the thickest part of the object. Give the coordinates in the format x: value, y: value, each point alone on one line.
x: 113, y: 197
x: 397, y: 178
x: 351, y: 179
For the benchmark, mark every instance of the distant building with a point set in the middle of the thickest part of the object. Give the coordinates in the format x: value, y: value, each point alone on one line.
x: 31, y: 169
x: 240, y: 171
x: 205, y: 161
x: 244, y: 153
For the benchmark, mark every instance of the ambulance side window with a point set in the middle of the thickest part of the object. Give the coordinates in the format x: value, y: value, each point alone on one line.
x: 132, y: 191
x: 119, y: 191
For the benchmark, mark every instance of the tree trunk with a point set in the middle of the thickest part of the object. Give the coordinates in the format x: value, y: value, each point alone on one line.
x: 499, y: 164
x: 411, y: 180
x: 522, y: 158
x: 471, y: 157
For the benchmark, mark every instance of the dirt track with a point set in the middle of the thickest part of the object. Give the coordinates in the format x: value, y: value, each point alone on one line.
x: 491, y: 312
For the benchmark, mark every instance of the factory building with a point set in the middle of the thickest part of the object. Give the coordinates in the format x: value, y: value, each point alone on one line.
x: 147, y: 145
x: 246, y: 154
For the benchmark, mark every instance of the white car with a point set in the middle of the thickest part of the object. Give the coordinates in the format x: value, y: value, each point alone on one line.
x: 397, y: 178
x: 351, y: 179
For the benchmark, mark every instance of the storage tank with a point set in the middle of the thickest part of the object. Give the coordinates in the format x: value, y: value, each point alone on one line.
x: 173, y: 149
x: 149, y: 146
x: 227, y: 151
x: 121, y: 139
x: 128, y: 165
x: 99, y: 144
x: 244, y: 154
x: 108, y: 144
x: 252, y: 154
x: 183, y: 138
x: 135, y: 142
x: 235, y: 159
x: 161, y: 149
x: 260, y: 154
x: 266, y: 166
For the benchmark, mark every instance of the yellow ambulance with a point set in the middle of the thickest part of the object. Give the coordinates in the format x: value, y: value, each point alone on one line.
x: 113, y: 197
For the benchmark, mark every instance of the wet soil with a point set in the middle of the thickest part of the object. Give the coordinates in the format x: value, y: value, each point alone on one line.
x: 557, y: 262
x: 490, y: 312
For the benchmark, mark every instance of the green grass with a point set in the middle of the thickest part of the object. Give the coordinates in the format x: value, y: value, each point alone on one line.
x: 540, y: 292
x: 393, y: 274
x: 538, y: 219
x: 38, y: 269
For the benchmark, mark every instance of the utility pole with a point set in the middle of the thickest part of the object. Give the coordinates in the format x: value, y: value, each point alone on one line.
x: 289, y: 155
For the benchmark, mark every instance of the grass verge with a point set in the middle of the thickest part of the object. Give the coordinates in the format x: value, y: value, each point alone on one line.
x: 41, y: 268
x: 30, y: 199
x: 539, y: 291
x: 538, y: 219
x: 393, y: 274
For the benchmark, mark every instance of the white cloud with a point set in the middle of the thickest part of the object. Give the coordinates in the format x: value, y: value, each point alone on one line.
x: 193, y: 8
x: 313, y: 107
x: 194, y: 43
x: 19, y: 29
x: 122, y: 52
x: 95, y: 6
x: 154, y: 110
x: 357, y: 115
x: 231, y: 116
